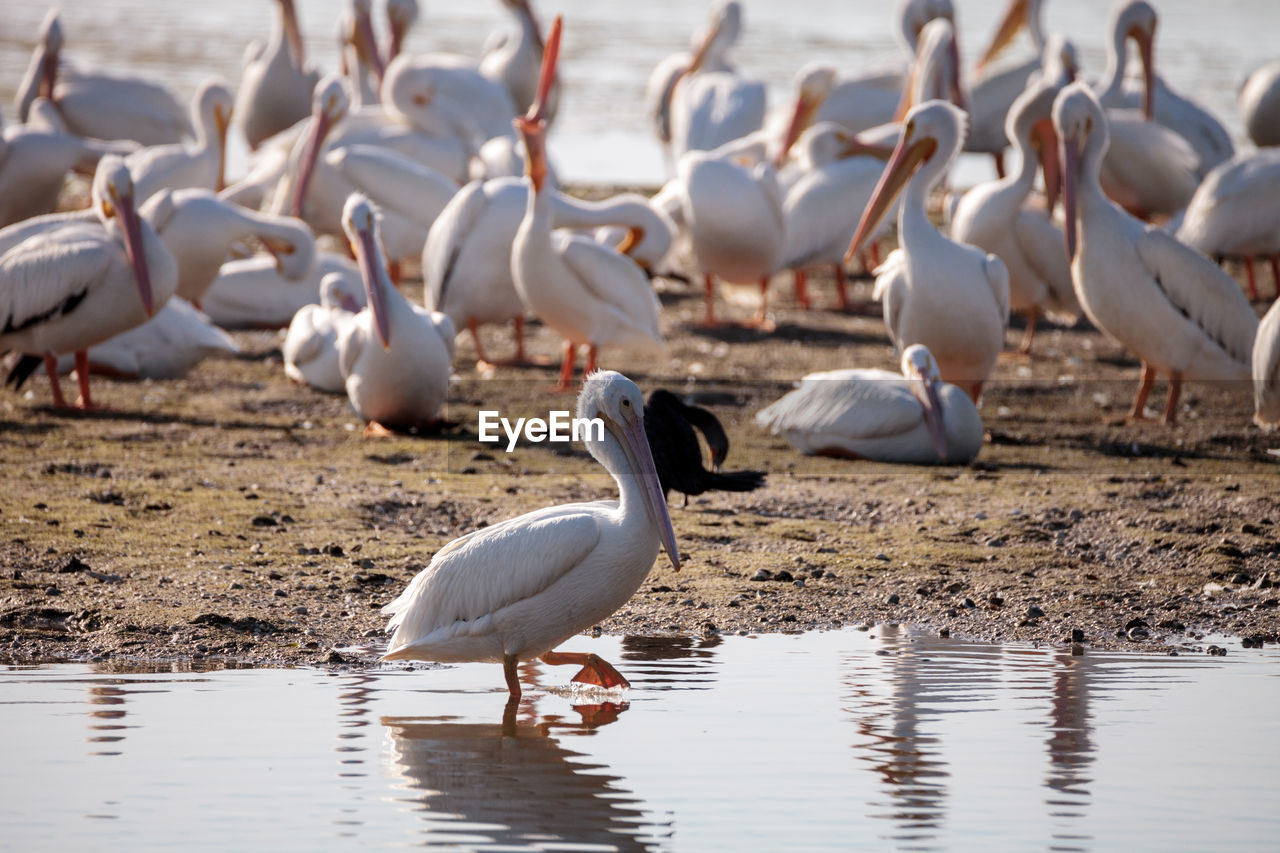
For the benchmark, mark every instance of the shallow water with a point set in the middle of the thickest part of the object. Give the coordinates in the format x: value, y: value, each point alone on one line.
x: 838, y: 740
x: 1203, y: 49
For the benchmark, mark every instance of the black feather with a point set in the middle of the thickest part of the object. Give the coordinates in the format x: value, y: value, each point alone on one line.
x: 22, y: 370
x: 677, y: 455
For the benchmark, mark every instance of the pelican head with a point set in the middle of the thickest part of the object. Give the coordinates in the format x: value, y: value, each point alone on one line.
x: 936, y: 70
x: 1018, y: 15
x: 335, y: 292
x: 914, y: 14
x: 933, y: 133
x: 401, y: 15
x: 524, y: 10
x: 213, y: 105
x: 1083, y: 134
x: 112, y: 194
x: 617, y: 401
x: 1136, y: 19
x: 721, y: 33
x: 1059, y: 60
x: 360, y: 221
x: 356, y: 30
x: 533, y: 125
x: 292, y: 32
x: 920, y: 368
x: 51, y: 40
x: 814, y: 83
x: 329, y: 104
x: 1030, y: 119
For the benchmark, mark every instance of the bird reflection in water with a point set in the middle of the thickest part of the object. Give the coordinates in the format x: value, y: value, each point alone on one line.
x: 1069, y: 743
x: 107, y: 714
x: 514, y: 784
x: 353, y: 728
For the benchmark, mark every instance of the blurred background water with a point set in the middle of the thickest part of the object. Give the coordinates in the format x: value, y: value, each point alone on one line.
x: 603, y: 135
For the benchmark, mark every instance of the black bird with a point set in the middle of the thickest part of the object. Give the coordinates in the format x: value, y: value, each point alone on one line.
x: 669, y: 425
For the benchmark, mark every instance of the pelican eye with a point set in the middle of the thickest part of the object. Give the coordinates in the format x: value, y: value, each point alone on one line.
x: 626, y: 404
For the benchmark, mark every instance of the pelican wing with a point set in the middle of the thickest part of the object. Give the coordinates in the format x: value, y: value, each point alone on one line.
x: 1266, y: 370
x: 891, y: 289
x: 858, y: 404
x: 470, y: 580
x: 1202, y: 292
x: 394, y: 181
x: 44, y: 279
x: 445, y: 240
x: 1045, y: 251
x: 616, y: 281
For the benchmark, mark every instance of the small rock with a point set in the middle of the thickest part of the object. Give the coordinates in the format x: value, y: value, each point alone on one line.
x: 201, y: 648
x: 264, y: 521
x: 280, y: 593
x: 798, y: 582
x: 1216, y: 651
x: 968, y: 603
x: 1251, y: 642
x: 334, y: 657
x: 762, y: 575
x: 893, y: 599
x: 1077, y: 635
x: 300, y: 610
x: 884, y: 558
x: 1137, y: 632
x: 1034, y: 612
x: 784, y: 576
x: 1076, y: 650
x: 52, y: 590
x: 1241, y: 578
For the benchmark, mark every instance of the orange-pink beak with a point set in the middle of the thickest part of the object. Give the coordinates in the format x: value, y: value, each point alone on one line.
x: 533, y: 126
x: 907, y: 157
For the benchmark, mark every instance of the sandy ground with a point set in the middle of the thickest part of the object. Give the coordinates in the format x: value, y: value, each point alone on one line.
x: 236, y: 515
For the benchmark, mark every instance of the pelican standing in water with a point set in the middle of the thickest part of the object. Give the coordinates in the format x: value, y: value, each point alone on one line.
x: 515, y: 590
x: 913, y: 417
x: 1168, y: 304
x: 950, y: 297
x: 590, y: 293
x: 70, y: 287
x: 394, y: 357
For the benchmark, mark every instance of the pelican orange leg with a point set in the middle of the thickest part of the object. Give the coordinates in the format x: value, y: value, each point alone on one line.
x: 595, y: 670
x: 51, y: 368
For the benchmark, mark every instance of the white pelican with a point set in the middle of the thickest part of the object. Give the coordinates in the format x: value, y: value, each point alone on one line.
x: 180, y: 166
x: 1260, y: 105
x: 199, y: 229
x: 167, y: 346
x: 993, y: 89
x: 401, y: 15
x: 99, y: 104
x: 1235, y: 212
x: 1266, y: 370
x: 1165, y: 302
x: 394, y: 357
x: 310, y: 347
x: 276, y: 81
x: 589, y: 293
x: 1136, y: 19
x: 361, y: 63
x: 912, y: 417
x: 513, y: 59
x: 997, y: 218
x: 710, y: 53
x: 417, y: 85
x: 950, y: 297
x: 515, y: 590
x: 252, y: 293
x: 34, y: 161
x: 71, y: 287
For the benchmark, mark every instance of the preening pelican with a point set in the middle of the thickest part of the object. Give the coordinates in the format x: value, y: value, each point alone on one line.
x: 99, y: 104
x: 1165, y: 302
x: 310, y: 347
x: 276, y: 82
x: 34, y: 161
x: 1236, y: 213
x: 950, y: 297
x: 180, y: 166
x: 1260, y: 105
x: 199, y: 229
x: 515, y: 590
x: 1266, y: 370
x: 68, y: 288
x: 913, y: 417
x: 253, y: 293
x: 669, y: 424
x: 710, y: 52
x: 394, y: 357
x: 996, y: 216
x: 589, y: 293
x: 513, y: 58
x: 167, y: 346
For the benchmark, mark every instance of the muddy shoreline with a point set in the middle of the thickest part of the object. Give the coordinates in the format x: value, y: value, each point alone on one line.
x: 234, y: 515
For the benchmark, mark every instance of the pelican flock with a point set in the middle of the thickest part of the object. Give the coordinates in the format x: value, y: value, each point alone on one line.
x: 341, y: 217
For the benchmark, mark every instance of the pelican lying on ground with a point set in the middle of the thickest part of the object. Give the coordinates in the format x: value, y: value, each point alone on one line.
x: 99, y: 104
x: 254, y: 293
x: 68, y: 288
x: 395, y: 358
x: 669, y: 423
x: 950, y: 297
x: 276, y: 83
x: 913, y: 417
x: 515, y: 590
x: 181, y: 166
x: 167, y: 346
x: 310, y: 347
x: 997, y: 217
x: 589, y: 293
x: 1266, y: 370
x: 1168, y: 304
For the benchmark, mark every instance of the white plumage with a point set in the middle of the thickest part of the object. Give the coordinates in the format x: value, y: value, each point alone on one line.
x: 310, y: 347
x: 253, y: 293
x: 1260, y: 104
x: 180, y: 166
x: 276, y: 82
x: 1266, y: 370
x: 167, y: 346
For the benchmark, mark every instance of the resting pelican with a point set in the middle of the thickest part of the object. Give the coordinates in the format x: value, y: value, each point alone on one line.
x: 1136, y: 19
x: 1266, y: 370
x: 1236, y: 213
x: 310, y: 347
x: 996, y: 217
x: 1165, y: 302
x: 99, y: 104
x: 417, y: 85
x: 950, y: 297
x: 276, y: 82
x: 1260, y: 105
x: 199, y: 229
x: 253, y: 293
x: 913, y: 417
x: 515, y: 590
x: 394, y: 357
x: 167, y: 346
x: 34, y: 161
x: 71, y: 287
x: 513, y: 59
x: 589, y: 293
x: 180, y: 166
